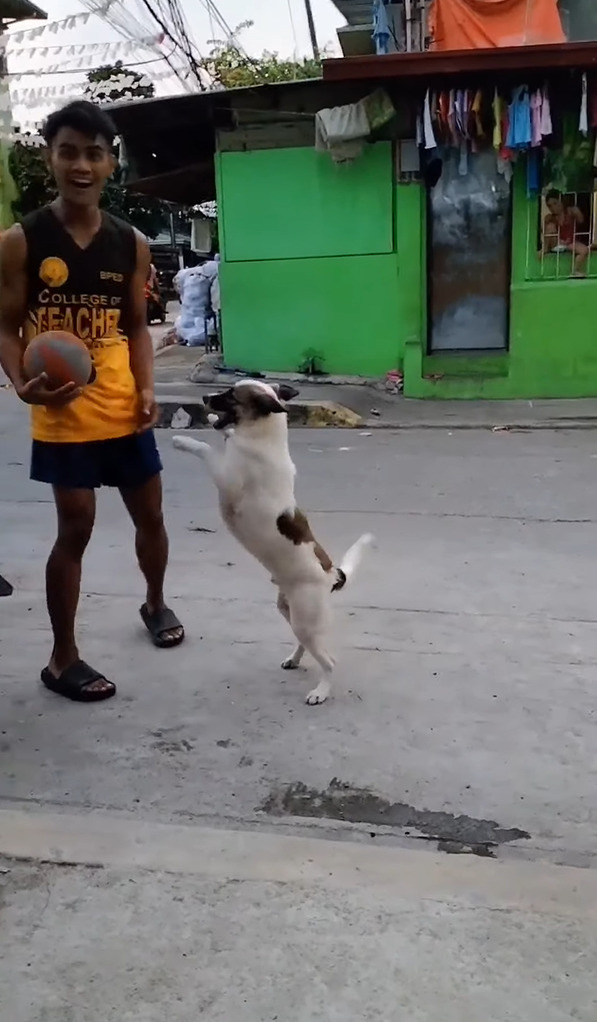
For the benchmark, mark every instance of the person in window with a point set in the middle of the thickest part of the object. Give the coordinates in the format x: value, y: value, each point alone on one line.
x: 561, y: 232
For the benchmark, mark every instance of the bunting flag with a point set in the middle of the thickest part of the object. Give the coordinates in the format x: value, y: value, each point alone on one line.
x: 51, y: 27
x: 124, y: 85
x: 113, y: 49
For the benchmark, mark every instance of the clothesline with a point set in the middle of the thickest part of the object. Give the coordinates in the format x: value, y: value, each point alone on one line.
x: 523, y: 121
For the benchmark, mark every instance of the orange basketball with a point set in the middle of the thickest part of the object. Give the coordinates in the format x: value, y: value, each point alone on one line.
x: 63, y: 357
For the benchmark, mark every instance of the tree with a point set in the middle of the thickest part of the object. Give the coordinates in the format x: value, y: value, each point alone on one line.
x: 34, y: 182
x: 103, y: 85
x: 228, y: 67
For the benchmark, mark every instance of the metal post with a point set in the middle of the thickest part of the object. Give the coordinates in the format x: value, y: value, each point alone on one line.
x: 408, y: 20
x: 313, y: 36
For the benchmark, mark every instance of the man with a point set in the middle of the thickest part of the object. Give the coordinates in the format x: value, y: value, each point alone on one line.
x: 561, y: 232
x: 70, y: 266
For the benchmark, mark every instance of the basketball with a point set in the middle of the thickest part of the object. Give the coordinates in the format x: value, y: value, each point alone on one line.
x: 63, y: 357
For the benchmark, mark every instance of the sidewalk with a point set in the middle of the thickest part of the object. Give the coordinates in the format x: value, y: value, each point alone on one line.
x: 181, y: 922
x: 364, y: 406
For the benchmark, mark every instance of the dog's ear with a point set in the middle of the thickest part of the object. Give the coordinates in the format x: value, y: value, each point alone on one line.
x: 286, y: 392
x: 266, y: 404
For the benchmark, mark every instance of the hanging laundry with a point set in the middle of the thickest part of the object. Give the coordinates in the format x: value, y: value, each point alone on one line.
x: 428, y: 134
x: 497, y: 120
x: 546, y: 125
x: 583, y: 121
x: 480, y: 24
x: 419, y: 130
x: 443, y: 109
x: 381, y: 34
x: 452, y: 118
x: 536, y: 108
x: 593, y: 101
x: 504, y: 167
x: 519, y: 132
x: 343, y: 130
x: 476, y: 110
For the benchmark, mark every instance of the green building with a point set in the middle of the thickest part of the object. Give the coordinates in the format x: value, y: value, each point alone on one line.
x: 406, y: 258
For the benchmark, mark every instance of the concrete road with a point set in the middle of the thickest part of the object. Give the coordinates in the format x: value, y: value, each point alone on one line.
x: 463, y: 718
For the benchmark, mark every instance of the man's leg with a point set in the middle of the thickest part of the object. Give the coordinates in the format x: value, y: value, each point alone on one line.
x: 76, y: 515
x: 144, y: 504
x: 581, y: 253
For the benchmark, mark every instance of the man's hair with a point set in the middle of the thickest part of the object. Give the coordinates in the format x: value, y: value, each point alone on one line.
x: 554, y: 194
x: 82, y: 116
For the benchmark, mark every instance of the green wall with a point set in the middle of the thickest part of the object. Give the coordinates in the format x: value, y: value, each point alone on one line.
x: 327, y: 261
x: 553, y: 337
x: 298, y: 204
x: 309, y: 263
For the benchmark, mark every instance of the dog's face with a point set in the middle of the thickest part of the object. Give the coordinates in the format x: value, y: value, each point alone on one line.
x: 248, y: 401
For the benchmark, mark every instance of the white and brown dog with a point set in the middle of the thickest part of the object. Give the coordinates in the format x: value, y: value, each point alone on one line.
x: 255, y: 475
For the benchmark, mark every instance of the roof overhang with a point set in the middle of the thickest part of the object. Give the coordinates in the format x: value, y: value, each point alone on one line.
x: 356, y: 12
x: 456, y: 63
x: 20, y: 10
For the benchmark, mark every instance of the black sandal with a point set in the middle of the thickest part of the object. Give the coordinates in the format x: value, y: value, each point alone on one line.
x: 160, y: 622
x: 74, y: 683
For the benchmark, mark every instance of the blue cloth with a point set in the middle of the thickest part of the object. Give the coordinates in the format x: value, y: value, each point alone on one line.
x: 533, y: 173
x: 519, y: 128
x: 126, y: 463
x: 381, y: 28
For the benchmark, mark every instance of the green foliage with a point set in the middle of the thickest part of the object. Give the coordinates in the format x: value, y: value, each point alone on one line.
x: 33, y: 182
x: 229, y: 67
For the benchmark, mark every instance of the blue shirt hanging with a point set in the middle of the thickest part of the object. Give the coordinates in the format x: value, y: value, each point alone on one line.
x: 381, y: 28
x: 520, y: 132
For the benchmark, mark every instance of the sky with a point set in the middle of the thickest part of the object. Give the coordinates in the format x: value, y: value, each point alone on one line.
x: 279, y: 25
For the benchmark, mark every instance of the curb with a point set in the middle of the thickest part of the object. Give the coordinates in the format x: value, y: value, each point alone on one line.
x: 310, y: 414
x: 553, y: 425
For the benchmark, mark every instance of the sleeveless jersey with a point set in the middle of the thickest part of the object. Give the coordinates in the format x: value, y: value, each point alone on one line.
x: 86, y: 292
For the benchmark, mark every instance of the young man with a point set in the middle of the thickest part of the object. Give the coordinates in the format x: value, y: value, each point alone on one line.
x: 71, y: 267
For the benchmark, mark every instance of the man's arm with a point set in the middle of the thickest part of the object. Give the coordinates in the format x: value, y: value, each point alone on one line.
x: 13, y: 311
x: 13, y: 303
x: 140, y: 343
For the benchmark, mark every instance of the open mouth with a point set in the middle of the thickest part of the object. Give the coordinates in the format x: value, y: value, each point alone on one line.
x: 224, y: 415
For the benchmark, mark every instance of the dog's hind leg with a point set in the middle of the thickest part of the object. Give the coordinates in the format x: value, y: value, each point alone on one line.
x: 291, y: 663
x: 310, y: 620
x: 321, y: 691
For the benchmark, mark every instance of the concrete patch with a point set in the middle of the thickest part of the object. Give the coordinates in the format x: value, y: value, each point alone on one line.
x: 357, y: 805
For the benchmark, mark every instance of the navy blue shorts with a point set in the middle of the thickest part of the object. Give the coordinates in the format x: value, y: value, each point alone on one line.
x: 127, y: 462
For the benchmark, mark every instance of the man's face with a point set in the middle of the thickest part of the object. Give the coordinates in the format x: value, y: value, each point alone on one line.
x: 555, y: 206
x: 80, y: 166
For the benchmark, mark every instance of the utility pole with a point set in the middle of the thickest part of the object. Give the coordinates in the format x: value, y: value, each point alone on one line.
x: 311, y: 24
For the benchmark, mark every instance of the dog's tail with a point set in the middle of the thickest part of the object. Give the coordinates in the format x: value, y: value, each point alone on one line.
x: 186, y: 443
x: 351, y: 560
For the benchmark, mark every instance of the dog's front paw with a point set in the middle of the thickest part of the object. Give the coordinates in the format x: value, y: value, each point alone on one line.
x: 289, y: 664
x: 318, y: 695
